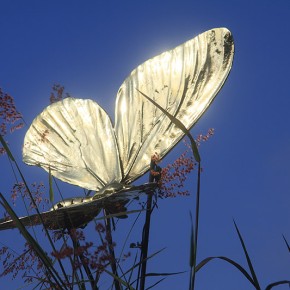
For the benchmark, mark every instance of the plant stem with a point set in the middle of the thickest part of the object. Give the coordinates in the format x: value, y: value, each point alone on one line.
x: 196, y: 227
x: 76, y: 245
x: 145, y: 242
x: 145, y: 233
x: 111, y: 250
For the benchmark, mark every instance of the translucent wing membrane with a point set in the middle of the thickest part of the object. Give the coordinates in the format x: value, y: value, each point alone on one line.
x: 75, y: 139
x: 184, y: 81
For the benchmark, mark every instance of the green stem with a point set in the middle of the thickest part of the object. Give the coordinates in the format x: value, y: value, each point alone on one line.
x: 196, y: 227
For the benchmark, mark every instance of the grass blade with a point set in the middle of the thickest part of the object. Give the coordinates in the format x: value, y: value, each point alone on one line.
x: 164, y: 274
x: 192, y: 244
x: 152, y: 286
x: 134, y: 264
x: 257, y: 286
x: 36, y: 247
x: 160, y: 274
x: 112, y: 252
x: 138, y: 264
x: 32, y: 200
x: 117, y: 278
x: 115, y: 215
x: 145, y: 243
x: 270, y: 286
x: 288, y: 246
x: 233, y: 263
x: 4, y: 144
x: 179, y: 124
x: 192, y: 258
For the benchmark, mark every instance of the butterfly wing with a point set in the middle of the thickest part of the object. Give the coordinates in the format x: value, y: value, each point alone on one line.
x: 78, y: 215
x: 75, y: 140
x: 184, y: 81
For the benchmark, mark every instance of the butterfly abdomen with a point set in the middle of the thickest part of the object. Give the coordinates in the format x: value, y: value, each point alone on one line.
x: 71, y: 202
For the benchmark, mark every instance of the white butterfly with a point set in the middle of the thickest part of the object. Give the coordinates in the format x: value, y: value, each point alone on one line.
x: 76, y: 141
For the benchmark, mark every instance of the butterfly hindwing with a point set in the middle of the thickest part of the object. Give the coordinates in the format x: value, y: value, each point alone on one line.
x: 78, y: 215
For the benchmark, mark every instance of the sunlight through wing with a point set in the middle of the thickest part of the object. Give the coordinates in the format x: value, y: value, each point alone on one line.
x: 184, y: 81
x: 75, y: 139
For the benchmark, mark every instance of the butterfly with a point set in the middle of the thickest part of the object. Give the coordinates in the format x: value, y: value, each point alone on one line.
x: 75, y: 140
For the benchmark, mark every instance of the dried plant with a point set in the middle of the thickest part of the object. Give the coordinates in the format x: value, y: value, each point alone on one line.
x: 10, y: 118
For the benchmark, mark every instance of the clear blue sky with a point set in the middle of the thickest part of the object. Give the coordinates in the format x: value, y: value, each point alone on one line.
x: 90, y: 47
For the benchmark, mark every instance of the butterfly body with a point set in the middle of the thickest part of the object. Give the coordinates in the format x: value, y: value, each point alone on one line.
x: 83, y: 211
x: 108, y: 190
x: 71, y: 202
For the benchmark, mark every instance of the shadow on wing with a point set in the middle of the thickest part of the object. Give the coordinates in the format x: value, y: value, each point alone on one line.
x: 78, y: 215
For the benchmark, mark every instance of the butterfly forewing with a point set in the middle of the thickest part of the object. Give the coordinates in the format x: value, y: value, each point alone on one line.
x: 75, y: 139
x: 184, y: 81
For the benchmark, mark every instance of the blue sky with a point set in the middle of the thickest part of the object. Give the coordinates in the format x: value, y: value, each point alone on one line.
x: 90, y: 47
